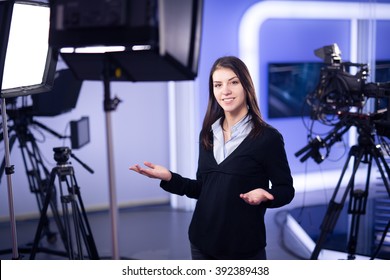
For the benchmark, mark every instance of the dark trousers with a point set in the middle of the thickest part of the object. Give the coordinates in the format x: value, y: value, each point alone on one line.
x: 198, y: 255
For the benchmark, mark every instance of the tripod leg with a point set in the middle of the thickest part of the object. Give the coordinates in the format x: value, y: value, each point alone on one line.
x: 334, y: 208
x: 49, y: 201
x: 382, y: 166
x: 82, y: 227
x: 65, y: 200
x: 384, y: 234
x: 37, y: 175
x: 357, y: 209
x: 75, y: 211
x: 42, y: 219
x: 86, y: 229
x: 77, y: 224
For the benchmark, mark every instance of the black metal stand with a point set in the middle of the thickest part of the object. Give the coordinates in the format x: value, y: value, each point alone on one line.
x: 74, y: 224
x: 38, y: 177
x: 9, y: 170
x: 365, y: 152
x: 36, y: 172
x: 106, y: 67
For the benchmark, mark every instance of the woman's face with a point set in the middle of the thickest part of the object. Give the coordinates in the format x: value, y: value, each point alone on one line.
x: 229, y: 92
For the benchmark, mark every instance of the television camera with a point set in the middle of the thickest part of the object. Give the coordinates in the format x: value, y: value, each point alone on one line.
x: 340, y: 100
x: 338, y: 90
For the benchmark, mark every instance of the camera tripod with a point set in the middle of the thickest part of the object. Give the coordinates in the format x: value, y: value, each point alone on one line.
x: 366, y: 151
x: 38, y: 177
x: 74, y: 223
x: 36, y: 171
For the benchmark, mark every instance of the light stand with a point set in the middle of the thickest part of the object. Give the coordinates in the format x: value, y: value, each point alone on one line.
x: 105, y: 69
x: 9, y: 170
x: 109, y: 106
x: 5, y: 23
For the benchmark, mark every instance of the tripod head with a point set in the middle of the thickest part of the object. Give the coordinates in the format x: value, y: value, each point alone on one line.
x: 62, y: 155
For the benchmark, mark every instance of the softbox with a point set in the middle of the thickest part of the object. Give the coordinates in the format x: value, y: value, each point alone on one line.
x: 159, y: 39
x: 30, y: 63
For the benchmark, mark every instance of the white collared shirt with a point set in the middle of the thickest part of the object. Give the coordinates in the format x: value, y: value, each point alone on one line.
x: 239, y: 132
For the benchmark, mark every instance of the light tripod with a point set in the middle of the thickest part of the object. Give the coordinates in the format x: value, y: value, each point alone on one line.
x: 74, y: 224
x: 366, y: 151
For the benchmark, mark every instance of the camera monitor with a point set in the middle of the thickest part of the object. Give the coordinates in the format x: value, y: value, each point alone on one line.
x: 30, y: 63
x: 154, y: 40
x: 79, y: 131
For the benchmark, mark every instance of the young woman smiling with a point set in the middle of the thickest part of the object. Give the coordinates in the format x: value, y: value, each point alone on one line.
x: 242, y: 170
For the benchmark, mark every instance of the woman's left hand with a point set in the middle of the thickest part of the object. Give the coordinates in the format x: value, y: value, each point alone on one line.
x: 256, y: 196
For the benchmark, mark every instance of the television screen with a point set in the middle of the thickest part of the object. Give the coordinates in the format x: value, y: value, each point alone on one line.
x: 30, y: 63
x: 288, y: 85
x: 382, y: 75
x: 382, y: 71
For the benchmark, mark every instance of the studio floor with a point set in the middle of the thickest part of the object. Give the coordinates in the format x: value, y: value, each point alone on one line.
x: 159, y: 232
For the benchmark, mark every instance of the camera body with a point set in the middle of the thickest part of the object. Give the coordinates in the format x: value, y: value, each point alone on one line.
x: 338, y: 91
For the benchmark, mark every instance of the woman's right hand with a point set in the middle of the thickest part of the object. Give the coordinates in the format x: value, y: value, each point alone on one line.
x: 153, y: 171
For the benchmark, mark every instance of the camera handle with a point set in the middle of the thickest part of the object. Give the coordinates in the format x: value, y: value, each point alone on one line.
x: 312, y: 149
x: 89, y: 169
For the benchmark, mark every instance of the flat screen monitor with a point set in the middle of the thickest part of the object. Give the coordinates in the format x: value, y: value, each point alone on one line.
x: 382, y: 75
x: 30, y: 63
x: 288, y: 86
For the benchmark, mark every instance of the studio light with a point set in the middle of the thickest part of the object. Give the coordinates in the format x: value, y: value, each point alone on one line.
x: 30, y: 63
x: 27, y: 66
x: 150, y: 40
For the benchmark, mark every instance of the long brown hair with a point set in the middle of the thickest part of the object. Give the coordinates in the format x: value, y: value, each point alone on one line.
x: 215, y: 111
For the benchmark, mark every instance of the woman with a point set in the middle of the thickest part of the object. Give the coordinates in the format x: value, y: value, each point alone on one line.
x: 239, y: 155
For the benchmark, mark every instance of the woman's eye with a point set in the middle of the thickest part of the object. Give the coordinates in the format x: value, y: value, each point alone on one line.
x: 217, y: 85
